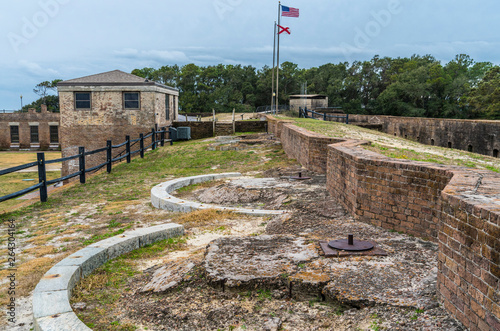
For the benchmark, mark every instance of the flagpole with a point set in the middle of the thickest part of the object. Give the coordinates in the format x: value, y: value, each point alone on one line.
x: 278, y: 61
x: 274, y: 60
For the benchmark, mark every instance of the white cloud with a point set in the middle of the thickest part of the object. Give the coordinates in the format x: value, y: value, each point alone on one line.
x: 153, y: 55
x: 37, y: 70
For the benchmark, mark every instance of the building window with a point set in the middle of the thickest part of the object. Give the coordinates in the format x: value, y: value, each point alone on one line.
x: 14, y: 134
x: 495, y: 153
x: 450, y: 144
x: 82, y: 100
x: 167, y: 107
x: 54, y: 134
x: 131, y: 100
x: 432, y: 142
x: 34, y: 134
x: 470, y: 148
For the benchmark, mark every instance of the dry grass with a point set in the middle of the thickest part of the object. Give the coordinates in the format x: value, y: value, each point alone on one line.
x: 12, y: 159
x: 40, y: 251
x: 201, y: 218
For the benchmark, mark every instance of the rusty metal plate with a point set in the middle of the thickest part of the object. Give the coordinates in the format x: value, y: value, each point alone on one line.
x: 300, y: 177
x: 354, y: 246
x: 331, y: 252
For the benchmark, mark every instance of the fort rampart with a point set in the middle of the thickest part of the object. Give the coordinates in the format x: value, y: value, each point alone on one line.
x: 457, y: 207
x: 478, y: 136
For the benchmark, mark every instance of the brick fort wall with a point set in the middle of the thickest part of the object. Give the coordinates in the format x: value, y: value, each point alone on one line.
x: 457, y: 207
x: 478, y: 136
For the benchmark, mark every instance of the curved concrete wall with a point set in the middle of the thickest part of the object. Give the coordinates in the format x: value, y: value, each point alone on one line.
x: 457, y: 207
x: 161, y: 198
x: 51, y: 308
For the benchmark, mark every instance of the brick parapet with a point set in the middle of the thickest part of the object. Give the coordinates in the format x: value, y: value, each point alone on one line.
x: 457, y: 207
x: 479, y: 135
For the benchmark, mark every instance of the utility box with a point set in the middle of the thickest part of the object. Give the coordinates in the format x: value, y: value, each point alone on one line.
x: 172, y: 132
x: 184, y: 133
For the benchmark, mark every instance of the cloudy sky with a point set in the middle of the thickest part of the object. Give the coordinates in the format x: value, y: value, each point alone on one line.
x: 64, y: 39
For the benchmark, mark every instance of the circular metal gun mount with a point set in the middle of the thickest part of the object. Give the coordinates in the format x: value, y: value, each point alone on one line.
x: 350, y: 244
x: 299, y: 177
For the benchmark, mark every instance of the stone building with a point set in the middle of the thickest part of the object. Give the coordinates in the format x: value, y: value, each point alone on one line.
x: 311, y: 101
x: 109, y: 106
x: 29, y: 131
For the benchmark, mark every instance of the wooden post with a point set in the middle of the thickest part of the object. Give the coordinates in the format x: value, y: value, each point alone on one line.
x: 213, y: 110
x: 234, y: 123
x: 109, y: 155
x: 81, y: 151
x: 127, y: 149
x: 153, y: 138
x: 141, y: 145
x: 42, y: 176
x: 324, y: 117
x: 162, y: 137
x: 346, y: 118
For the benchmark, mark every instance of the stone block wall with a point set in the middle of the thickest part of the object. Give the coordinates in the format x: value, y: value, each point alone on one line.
x: 478, y: 136
x: 457, y: 207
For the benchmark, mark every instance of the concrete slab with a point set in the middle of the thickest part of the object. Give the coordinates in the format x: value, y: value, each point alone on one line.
x: 117, y: 245
x: 60, y: 322
x: 59, y: 279
x: 148, y: 236
x: 88, y: 258
x: 59, y: 303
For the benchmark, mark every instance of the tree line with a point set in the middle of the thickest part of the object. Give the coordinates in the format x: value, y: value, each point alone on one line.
x: 418, y: 86
x: 411, y: 86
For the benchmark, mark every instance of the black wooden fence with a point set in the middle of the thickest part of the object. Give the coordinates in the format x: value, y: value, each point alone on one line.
x: 127, y: 153
x: 304, y: 113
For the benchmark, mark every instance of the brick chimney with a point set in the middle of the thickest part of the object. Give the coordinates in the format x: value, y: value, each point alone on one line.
x: 31, y: 110
x: 44, y: 108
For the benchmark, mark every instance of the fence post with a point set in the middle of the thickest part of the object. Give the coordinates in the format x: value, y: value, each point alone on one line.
x: 346, y: 118
x: 81, y: 151
x: 162, y: 137
x: 141, y: 145
x: 170, y: 137
x: 109, y: 155
x: 324, y: 117
x: 42, y: 176
x: 127, y: 148
x: 153, y: 138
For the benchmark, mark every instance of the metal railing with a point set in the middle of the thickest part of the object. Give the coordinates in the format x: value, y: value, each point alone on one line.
x: 304, y: 113
x: 126, y: 153
x: 272, y: 110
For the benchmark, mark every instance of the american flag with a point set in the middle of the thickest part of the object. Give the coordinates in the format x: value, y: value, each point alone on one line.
x: 289, y: 11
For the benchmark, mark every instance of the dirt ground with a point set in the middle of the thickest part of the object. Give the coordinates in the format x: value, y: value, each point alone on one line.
x: 394, y: 292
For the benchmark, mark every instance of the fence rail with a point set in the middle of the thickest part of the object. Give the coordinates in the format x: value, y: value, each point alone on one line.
x: 304, y: 113
x: 157, y: 137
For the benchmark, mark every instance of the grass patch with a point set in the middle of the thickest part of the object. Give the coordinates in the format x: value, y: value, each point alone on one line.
x: 104, y: 287
x: 190, y: 188
x: 108, y: 204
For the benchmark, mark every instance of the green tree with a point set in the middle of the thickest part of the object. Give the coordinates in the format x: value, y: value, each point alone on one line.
x: 43, y: 88
x: 51, y: 101
x: 485, y: 98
